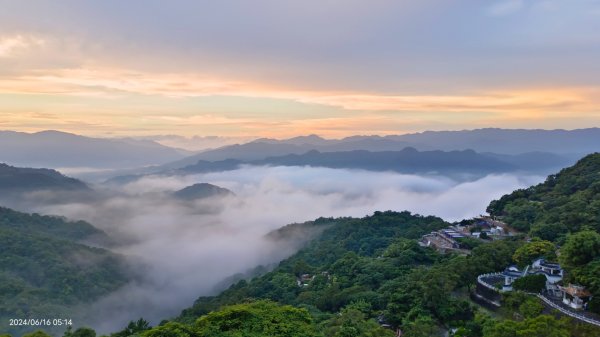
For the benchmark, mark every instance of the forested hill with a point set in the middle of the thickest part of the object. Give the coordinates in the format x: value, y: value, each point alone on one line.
x: 46, y: 270
x: 54, y: 226
x: 564, y: 203
x: 356, y: 272
x: 30, y: 179
x: 366, y: 277
x: 345, y: 262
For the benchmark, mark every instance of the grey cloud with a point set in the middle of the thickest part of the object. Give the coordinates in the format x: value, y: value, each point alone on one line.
x: 385, y: 46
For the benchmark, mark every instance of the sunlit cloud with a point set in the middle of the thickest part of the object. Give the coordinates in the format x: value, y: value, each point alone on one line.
x: 113, y: 83
x: 385, y: 68
x: 11, y: 46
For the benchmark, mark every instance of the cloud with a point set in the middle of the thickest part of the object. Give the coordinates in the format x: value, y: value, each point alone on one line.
x: 12, y: 46
x: 506, y: 7
x: 182, y: 250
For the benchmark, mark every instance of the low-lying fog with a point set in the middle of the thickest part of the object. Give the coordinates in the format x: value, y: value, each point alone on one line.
x: 189, y: 248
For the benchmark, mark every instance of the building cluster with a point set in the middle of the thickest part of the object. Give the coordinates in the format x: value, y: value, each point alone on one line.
x: 443, y: 240
x: 448, y: 239
x: 573, y: 296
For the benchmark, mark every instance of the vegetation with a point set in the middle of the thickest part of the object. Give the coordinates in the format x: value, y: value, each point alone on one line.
x: 565, y: 203
x: 30, y: 179
x: 361, y: 270
x: 580, y: 256
x: 44, y: 269
x: 540, y: 326
x: 531, y: 283
x: 565, y: 209
x: 535, y: 249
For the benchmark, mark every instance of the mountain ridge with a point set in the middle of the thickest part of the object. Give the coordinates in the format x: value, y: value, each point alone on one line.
x: 57, y: 149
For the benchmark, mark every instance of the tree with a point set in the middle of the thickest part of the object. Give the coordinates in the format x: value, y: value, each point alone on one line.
x: 580, y: 249
x: 531, y: 308
x: 38, y: 333
x: 506, y: 328
x: 589, y: 276
x: 533, y: 250
x: 531, y: 283
x: 172, y: 329
x: 543, y: 326
x: 540, y: 326
x: 423, y: 326
x: 84, y: 332
x: 354, y: 323
x: 133, y: 328
x: 68, y: 331
x: 261, y: 318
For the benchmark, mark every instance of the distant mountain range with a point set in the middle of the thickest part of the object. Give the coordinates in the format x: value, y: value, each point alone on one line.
x: 56, y: 149
x: 459, y: 164
x: 555, y: 148
x: 408, y: 160
x: 570, y: 144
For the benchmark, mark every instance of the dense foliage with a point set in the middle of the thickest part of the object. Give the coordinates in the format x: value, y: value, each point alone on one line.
x: 531, y: 283
x: 565, y: 203
x: 368, y: 269
x: 44, y: 269
x: 535, y: 249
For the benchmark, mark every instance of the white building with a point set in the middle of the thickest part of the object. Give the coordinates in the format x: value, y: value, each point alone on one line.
x: 575, y: 296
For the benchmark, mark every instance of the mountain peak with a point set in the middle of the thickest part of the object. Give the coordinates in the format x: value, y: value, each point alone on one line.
x: 202, y: 191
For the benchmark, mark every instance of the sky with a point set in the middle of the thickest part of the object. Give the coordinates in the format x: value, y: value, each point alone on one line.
x: 271, y: 68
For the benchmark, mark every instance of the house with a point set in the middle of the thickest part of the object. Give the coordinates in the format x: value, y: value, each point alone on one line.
x: 510, y: 274
x: 553, y: 272
x: 439, y: 240
x: 452, y: 234
x: 575, y: 296
x: 492, y: 226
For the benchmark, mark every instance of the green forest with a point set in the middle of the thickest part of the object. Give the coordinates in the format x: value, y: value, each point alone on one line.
x: 46, y: 270
x: 369, y: 276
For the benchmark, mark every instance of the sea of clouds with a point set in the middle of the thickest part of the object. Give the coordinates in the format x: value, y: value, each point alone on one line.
x: 180, y: 250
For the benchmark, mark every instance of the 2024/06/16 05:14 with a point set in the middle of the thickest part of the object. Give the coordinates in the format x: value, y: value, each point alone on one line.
x: 40, y: 322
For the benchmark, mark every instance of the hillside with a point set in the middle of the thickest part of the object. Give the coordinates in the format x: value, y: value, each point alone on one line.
x: 47, y: 269
x: 358, y: 275
x: 202, y: 191
x: 564, y: 203
x: 17, y: 179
